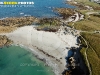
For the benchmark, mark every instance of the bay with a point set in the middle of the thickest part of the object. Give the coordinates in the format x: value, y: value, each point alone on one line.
x: 15, y: 60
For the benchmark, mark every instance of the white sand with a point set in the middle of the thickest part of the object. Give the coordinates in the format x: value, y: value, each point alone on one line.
x: 52, y: 43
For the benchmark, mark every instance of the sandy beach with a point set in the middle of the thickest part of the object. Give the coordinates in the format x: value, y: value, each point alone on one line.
x: 50, y: 47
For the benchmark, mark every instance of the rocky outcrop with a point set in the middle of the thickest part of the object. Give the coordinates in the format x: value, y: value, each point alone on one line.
x: 49, y: 24
x: 4, y: 41
x: 79, y: 5
x: 17, y: 21
x: 65, y: 12
x: 10, y: 24
x: 75, y: 65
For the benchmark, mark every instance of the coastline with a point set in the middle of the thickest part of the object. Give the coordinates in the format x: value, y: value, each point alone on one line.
x: 41, y: 43
x: 56, y: 59
x: 55, y: 54
x: 52, y: 50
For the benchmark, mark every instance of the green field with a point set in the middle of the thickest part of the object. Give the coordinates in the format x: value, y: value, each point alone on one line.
x: 93, y: 51
x: 88, y: 26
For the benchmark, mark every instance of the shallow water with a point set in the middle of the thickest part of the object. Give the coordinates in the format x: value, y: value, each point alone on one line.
x: 41, y: 8
x: 19, y: 61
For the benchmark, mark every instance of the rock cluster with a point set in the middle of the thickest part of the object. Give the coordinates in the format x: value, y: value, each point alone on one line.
x: 17, y: 21
x: 65, y: 12
x: 4, y: 41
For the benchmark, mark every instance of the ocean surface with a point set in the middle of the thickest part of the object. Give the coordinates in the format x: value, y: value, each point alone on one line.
x: 19, y: 61
x: 41, y: 8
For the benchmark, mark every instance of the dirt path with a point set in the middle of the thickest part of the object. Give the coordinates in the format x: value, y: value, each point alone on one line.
x: 86, y: 55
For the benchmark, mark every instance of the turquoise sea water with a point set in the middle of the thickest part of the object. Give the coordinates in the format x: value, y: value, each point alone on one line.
x: 41, y: 8
x: 19, y: 61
